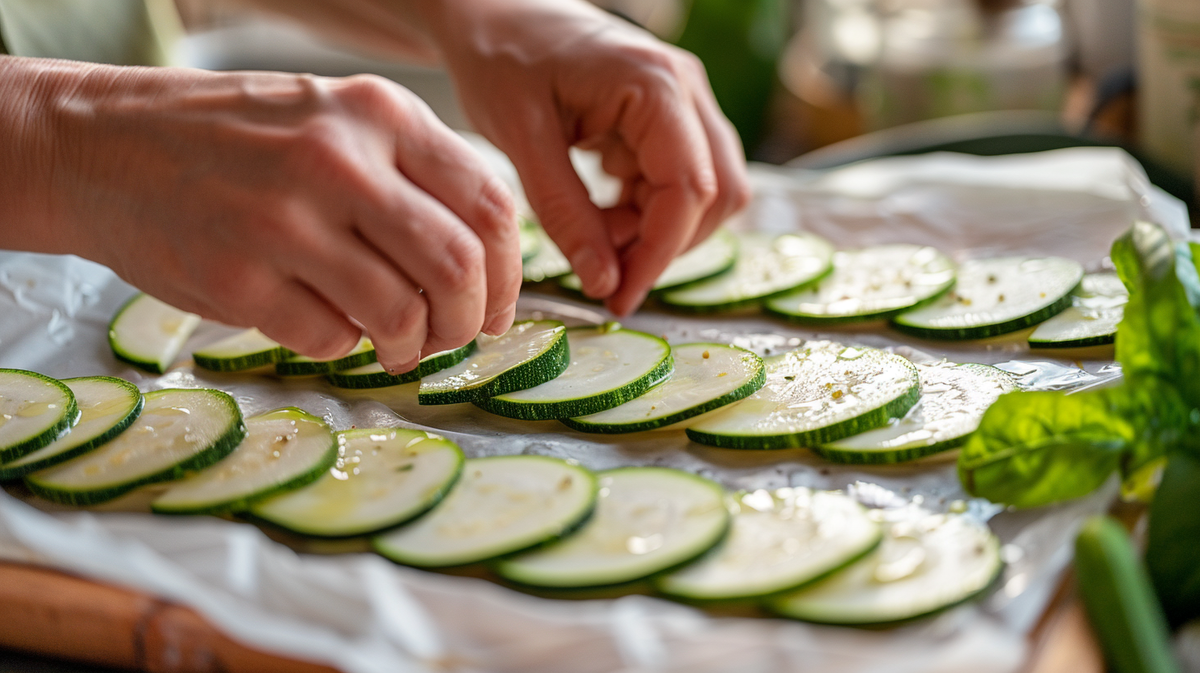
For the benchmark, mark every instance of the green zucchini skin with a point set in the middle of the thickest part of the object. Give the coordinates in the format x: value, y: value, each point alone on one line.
x: 239, y: 364
x: 986, y: 331
x: 892, y: 457
x: 433, y: 365
x: 223, y: 446
x: 1102, y: 340
x: 318, y: 368
x: 810, y: 321
x: 11, y: 472
x: 752, y: 302
x: 830, y: 433
x: 549, y: 364
x: 69, y: 418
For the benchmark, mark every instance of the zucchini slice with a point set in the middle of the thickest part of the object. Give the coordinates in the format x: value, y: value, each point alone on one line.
x: 648, y: 519
x: 301, y: 365
x: 713, y: 257
x: 107, y: 406
x: 375, y: 376
x: 527, y: 235
x: 283, y: 450
x: 247, y: 350
x: 765, y: 266
x: 383, y: 478
x: 149, y: 333
x: 922, y: 566
x: 527, y: 355
x: 609, y: 366
x: 178, y: 431
x: 815, y: 394
x: 779, y: 540
x: 499, y: 505
x: 1097, y: 306
x: 549, y: 262
x: 706, y: 376
x: 996, y: 296
x: 34, y: 411
x: 953, y: 401
x: 869, y: 284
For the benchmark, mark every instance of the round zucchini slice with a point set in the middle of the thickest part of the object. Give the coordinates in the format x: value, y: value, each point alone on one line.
x: 818, y: 393
x: 375, y: 376
x: 779, y: 540
x: 765, y: 266
x: 383, y: 478
x: 177, y: 432
x: 996, y: 296
x: 499, y: 505
x: 527, y: 355
x: 1097, y: 307
x: 716, y: 255
x: 922, y: 566
x: 609, y: 366
x: 706, y: 376
x: 283, y: 450
x: 246, y: 350
x: 107, y: 406
x: 953, y: 401
x: 363, y: 353
x: 34, y: 411
x: 869, y: 284
x: 647, y: 519
x: 149, y: 333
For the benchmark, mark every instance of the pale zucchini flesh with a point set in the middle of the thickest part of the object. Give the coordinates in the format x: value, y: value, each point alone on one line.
x: 953, y: 401
x: 283, y: 449
x: 996, y: 296
x: 107, y: 406
x: 363, y: 353
x: 528, y: 354
x: 815, y: 394
x: 648, y: 519
x: 869, y: 284
x: 923, y: 565
x: 499, y: 505
x: 383, y: 478
x: 178, y: 431
x: 609, y: 366
x: 1097, y: 306
x: 779, y: 540
x: 713, y: 257
x: 34, y: 411
x: 242, y: 351
x: 706, y: 376
x: 149, y: 333
x: 375, y: 376
x: 765, y: 266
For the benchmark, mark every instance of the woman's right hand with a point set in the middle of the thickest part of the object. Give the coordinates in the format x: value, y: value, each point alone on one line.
x: 294, y: 204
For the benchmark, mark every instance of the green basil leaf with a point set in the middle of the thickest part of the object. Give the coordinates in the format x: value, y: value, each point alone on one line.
x: 1173, y: 548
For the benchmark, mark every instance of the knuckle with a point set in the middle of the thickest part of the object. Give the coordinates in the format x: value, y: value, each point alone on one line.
x: 495, y: 210
x: 460, y: 267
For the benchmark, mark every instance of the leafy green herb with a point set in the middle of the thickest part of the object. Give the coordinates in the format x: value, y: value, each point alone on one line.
x: 1173, y: 549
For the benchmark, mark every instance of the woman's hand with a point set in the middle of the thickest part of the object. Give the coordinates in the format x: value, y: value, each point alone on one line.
x: 296, y: 204
x: 538, y: 76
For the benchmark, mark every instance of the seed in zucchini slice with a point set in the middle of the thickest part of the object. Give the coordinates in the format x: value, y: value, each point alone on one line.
x: 869, y: 284
x: 301, y: 365
x: 707, y: 376
x: 499, y: 505
x: 149, y: 333
x: 177, y: 432
x: 245, y: 350
x: 953, y: 401
x: 107, y: 406
x: 647, y: 519
x: 924, y: 565
x: 283, y: 450
x: 815, y: 394
x: 996, y: 296
x: 383, y: 478
x: 609, y: 366
x: 716, y: 255
x: 765, y: 266
x: 527, y: 355
x: 34, y: 411
x: 779, y: 540
x: 375, y: 376
x: 1097, y: 306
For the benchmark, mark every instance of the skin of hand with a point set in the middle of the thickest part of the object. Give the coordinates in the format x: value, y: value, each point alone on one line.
x: 296, y: 204
x: 539, y: 76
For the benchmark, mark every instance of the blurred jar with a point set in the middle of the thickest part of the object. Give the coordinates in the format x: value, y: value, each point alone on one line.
x: 1169, y: 81
x: 922, y: 59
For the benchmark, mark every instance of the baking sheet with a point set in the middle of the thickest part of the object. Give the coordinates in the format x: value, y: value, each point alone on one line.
x: 333, y: 604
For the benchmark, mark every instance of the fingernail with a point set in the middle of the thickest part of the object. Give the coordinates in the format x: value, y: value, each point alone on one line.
x: 397, y: 369
x: 500, y: 323
x: 599, y: 278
